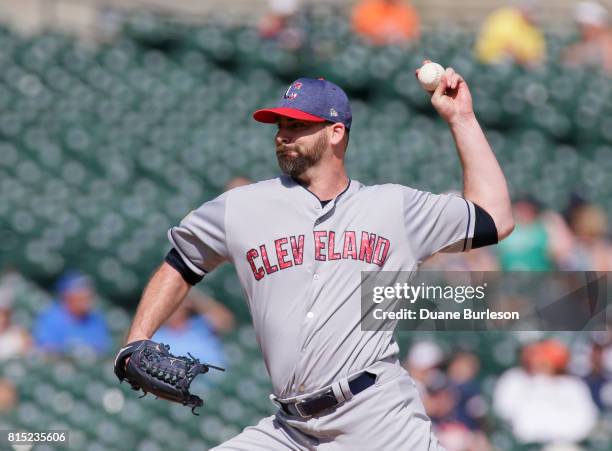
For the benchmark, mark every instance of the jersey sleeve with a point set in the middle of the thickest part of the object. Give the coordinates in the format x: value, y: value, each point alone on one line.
x: 200, y: 237
x: 437, y: 222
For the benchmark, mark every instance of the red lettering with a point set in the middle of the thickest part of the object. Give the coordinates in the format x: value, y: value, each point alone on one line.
x: 371, y: 249
x: 266, y: 262
x: 367, y: 245
x: 319, y: 245
x: 297, y: 249
x: 282, y: 253
x: 330, y: 245
x: 382, y: 249
x: 257, y: 272
x: 350, y: 245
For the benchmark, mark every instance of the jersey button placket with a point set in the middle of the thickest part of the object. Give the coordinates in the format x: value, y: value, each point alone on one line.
x: 309, y: 316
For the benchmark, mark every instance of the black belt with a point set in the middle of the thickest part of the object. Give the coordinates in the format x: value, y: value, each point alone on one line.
x: 309, y: 407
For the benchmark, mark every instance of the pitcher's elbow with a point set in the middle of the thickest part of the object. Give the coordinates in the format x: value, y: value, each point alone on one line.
x: 505, y: 228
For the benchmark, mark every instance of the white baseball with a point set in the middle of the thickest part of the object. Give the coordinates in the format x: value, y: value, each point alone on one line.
x: 430, y: 75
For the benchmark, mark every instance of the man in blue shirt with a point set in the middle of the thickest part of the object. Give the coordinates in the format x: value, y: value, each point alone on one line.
x: 71, y: 322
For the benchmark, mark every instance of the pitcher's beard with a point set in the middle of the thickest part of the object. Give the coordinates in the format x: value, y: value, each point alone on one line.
x: 295, y: 166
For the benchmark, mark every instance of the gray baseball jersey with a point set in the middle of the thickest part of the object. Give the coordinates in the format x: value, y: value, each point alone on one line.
x: 300, y: 265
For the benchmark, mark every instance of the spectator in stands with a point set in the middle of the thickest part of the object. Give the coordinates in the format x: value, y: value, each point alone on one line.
x: 237, y: 181
x: 542, y: 403
x: 386, y: 22
x: 530, y: 246
x: 15, y: 341
x: 594, y: 49
x: 280, y: 24
x: 194, y: 327
x: 462, y: 373
x: 591, y: 249
x: 509, y: 34
x: 539, y: 241
x: 71, y: 323
x: 8, y: 396
x: 599, y: 378
x: 441, y: 400
x: 423, y: 362
x: 455, y: 436
x: 454, y: 403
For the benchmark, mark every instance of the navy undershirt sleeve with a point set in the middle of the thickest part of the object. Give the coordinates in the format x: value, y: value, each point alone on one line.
x: 174, y: 259
x: 485, y: 231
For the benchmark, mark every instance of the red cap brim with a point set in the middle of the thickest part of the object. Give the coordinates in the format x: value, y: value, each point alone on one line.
x: 271, y: 115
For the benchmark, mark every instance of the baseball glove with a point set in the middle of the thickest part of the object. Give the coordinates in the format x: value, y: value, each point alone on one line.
x: 153, y: 369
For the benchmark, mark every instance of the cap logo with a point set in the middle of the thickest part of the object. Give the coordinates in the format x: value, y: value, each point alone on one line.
x: 333, y: 113
x: 292, y: 91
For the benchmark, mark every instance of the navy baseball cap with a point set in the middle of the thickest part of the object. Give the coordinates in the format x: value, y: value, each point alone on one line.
x: 310, y: 99
x: 73, y: 281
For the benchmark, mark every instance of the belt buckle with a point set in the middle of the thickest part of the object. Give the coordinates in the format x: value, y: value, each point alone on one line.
x: 297, y: 406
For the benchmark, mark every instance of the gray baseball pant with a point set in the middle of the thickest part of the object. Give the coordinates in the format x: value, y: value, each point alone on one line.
x: 386, y: 416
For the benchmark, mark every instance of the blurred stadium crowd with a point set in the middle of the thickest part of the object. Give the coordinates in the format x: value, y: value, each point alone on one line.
x: 104, y: 147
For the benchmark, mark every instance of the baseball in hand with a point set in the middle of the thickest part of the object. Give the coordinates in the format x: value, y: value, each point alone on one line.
x: 430, y: 75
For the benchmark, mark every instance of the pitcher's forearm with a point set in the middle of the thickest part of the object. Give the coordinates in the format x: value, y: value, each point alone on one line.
x: 483, y: 180
x: 162, y: 295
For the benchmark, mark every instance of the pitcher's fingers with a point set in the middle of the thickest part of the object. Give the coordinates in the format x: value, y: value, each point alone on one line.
x: 439, y: 92
x: 458, y: 79
x: 450, y: 78
x: 454, y: 82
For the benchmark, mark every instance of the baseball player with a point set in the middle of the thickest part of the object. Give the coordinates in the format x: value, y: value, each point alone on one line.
x: 299, y: 243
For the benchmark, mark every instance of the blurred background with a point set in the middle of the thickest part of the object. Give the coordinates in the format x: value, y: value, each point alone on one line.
x: 119, y: 117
